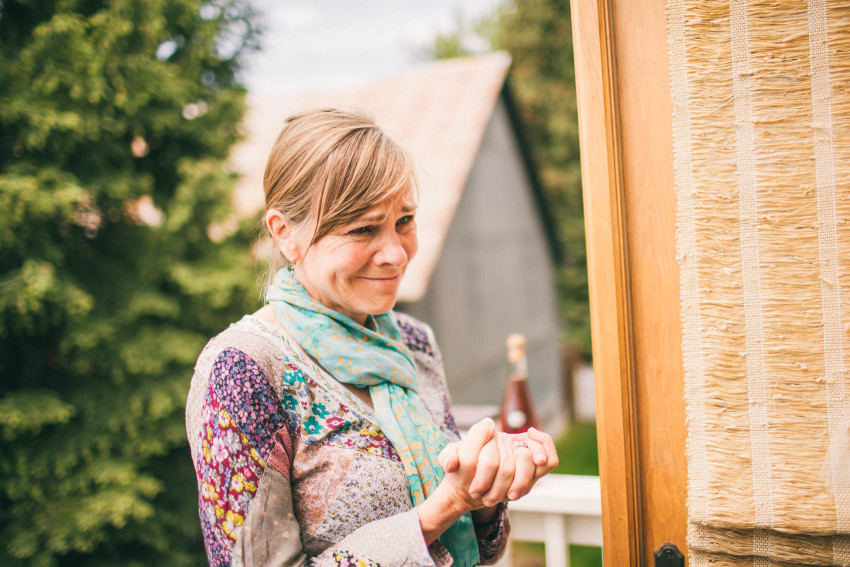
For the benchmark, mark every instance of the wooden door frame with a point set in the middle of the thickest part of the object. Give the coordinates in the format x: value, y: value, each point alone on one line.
x: 625, y: 131
x: 608, y: 278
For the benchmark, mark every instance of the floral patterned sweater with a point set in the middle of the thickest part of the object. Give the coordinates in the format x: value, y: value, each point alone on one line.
x: 292, y: 467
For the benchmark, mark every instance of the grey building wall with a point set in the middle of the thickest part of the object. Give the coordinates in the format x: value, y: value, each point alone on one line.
x: 495, y: 277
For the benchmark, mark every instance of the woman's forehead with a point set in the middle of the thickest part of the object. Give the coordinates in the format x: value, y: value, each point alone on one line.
x: 405, y: 203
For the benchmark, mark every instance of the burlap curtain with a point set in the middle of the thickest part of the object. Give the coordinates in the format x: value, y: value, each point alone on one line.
x: 761, y: 98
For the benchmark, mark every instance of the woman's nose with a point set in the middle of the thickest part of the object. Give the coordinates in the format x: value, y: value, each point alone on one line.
x: 391, y: 250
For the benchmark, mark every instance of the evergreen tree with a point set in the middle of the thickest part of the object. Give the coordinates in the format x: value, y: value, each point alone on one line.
x: 538, y: 36
x: 115, y: 119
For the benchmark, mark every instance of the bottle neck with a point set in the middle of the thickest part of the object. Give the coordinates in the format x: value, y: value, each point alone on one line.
x: 519, y: 368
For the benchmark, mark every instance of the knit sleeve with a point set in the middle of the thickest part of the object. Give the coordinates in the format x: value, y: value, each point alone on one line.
x: 493, y: 536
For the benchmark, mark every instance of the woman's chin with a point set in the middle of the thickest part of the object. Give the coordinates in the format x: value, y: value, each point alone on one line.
x: 381, y: 307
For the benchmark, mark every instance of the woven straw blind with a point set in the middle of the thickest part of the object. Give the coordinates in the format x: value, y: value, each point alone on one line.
x: 761, y: 98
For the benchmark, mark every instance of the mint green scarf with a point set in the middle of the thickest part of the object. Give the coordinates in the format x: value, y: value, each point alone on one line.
x: 378, y: 358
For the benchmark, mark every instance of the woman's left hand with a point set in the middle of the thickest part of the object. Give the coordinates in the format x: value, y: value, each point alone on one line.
x: 507, y: 466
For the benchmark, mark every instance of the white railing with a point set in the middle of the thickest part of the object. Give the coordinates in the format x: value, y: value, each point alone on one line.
x: 560, y: 510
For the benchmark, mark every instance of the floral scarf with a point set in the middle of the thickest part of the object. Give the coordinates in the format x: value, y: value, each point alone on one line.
x: 355, y: 354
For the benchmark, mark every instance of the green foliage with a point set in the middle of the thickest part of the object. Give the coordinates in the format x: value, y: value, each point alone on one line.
x: 448, y: 44
x: 538, y: 36
x: 528, y: 554
x: 115, y: 119
x: 578, y: 450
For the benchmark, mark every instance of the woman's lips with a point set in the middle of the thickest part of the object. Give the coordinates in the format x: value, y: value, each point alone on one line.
x: 390, y: 279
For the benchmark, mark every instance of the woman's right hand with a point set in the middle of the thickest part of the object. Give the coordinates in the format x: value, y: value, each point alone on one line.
x: 492, y: 470
x: 482, y: 470
x: 452, y: 498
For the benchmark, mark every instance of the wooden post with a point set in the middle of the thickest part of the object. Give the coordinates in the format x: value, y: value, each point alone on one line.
x: 603, y: 189
x: 625, y: 129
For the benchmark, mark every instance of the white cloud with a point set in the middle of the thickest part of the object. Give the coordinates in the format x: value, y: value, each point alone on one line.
x: 326, y: 42
x: 296, y: 15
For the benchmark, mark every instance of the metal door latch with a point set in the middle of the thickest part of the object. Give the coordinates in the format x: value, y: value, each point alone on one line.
x: 668, y: 555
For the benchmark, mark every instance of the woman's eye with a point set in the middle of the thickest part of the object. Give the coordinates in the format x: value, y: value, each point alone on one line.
x: 405, y: 219
x: 361, y: 230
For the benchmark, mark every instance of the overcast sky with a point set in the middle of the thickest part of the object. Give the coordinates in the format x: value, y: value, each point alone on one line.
x: 314, y: 43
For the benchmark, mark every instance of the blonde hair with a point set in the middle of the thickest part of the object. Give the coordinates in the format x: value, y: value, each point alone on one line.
x: 329, y: 166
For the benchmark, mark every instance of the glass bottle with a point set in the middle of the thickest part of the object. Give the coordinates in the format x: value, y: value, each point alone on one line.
x: 517, y: 413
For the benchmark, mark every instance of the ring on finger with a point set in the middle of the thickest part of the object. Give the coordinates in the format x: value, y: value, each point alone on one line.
x: 518, y: 444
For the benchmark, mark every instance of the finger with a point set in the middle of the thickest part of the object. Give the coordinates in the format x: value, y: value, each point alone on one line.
x: 485, y: 470
x: 545, y: 440
x: 478, y: 436
x: 537, y: 450
x: 524, y: 475
x: 551, y: 453
x: 505, y: 475
x: 448, y: 458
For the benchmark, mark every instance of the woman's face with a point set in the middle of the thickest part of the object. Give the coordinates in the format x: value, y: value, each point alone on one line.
x: 357, y: 268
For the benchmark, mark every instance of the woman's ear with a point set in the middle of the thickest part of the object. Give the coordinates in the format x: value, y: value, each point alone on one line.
x: 283, y: 234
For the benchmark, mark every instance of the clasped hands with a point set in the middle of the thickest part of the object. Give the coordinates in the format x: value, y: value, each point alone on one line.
x: 485, y: 468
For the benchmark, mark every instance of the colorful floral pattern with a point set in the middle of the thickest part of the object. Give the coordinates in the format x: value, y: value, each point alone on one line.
x: 337, y: 485
x: 448, y: 417
x: 240, y: 414
x: 244, y: 390
x: 319, y: 417
x: 493, y: 537
x: 415, y: 338
x: 348, y: 559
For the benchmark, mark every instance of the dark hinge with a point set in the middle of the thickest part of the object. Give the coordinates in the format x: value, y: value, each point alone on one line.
x: 669, y: 556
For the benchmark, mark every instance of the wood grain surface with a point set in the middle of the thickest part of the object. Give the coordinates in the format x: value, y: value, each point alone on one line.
x: 625, y: 121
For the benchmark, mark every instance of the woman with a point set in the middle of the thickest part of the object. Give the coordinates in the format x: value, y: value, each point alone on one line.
x: 320, y: 425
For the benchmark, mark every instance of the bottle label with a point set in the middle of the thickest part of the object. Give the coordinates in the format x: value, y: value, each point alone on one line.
x: 515, y: 419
